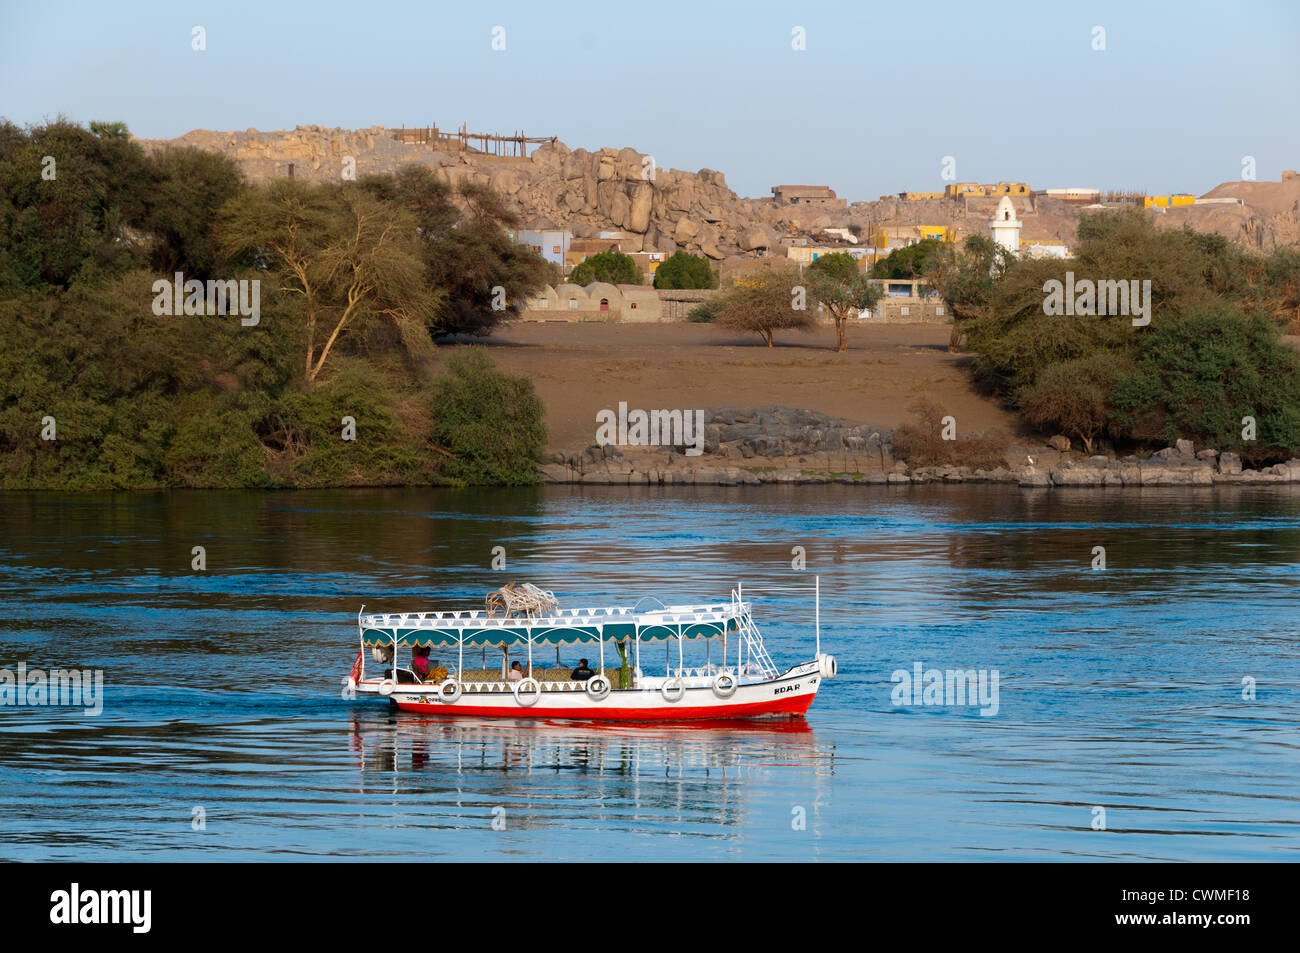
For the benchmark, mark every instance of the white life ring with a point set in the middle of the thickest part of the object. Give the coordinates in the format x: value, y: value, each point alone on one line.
x: 519, y: 692
x: 598, y: 694
x: 668, y: 696
x: 827, y: 666
x: 450, y: 691
x: 730, y: 689
x: 386, y: 687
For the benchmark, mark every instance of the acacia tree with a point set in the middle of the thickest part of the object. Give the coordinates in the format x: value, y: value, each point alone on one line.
x: 764, y: 302
x: 467, y: 249
x: 347, y: 254
x: 843, y: 288
x: 967, y: 278
x: 1074, y: 396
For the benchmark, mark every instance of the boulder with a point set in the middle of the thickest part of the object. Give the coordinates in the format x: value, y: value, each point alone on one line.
x: 1060, y: 442
x: 1032, y: 476
x: 755, y: 238
x: 638, y: 214
x: 1185, y: 448
x: 685, y: 230
x: 620, y: 208
x: 1229, y: 463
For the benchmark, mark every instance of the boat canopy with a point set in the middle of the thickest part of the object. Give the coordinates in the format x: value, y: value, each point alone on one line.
x: 565, y: 626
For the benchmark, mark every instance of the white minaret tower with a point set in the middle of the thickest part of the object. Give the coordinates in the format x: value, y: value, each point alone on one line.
x: 1005, y: 226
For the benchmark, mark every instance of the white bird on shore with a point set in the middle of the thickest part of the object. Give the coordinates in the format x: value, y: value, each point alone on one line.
x: 1030, y: 459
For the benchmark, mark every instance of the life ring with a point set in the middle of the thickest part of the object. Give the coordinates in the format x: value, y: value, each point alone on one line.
x: 669, y: 697
x: 729, y: 689
x: 827, y: 666
x: 598, y: 694
x: 450, y: 691
x: 531, y: 699
x: 386, y: 687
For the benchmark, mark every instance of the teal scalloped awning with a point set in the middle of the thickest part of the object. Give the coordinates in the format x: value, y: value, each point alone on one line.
x: 499, y: 636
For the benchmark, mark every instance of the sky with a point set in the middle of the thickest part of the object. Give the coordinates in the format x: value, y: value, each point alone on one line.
x: 880, y: 95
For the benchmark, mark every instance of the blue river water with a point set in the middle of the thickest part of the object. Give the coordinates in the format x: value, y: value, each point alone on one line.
x: 1148, y: 710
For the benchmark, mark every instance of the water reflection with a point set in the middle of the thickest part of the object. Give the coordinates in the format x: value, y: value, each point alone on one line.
x: 1120, y: 688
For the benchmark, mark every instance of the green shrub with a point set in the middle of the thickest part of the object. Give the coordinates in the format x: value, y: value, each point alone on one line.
x: 684, y: 270
x: 609, y: 266
x: 1196, y: 379
x: 489, y: 421
x: 704, y: 313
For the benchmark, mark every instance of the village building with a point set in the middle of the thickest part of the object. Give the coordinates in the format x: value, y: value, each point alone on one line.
x: 1074, y: 196
x: 907, y: 301
x: 890, y: 237
x: 815, y: 195
x: 600, y: 301
x: 1041, y: 248
x: 546, y: 239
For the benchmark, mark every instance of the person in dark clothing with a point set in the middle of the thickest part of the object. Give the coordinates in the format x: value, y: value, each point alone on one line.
x: 582, y: 672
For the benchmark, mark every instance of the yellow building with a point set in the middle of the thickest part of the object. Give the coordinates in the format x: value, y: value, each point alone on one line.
x: 1168, y: 201
x: 889, y: 237
x: 995, y: 190
x: 920, y: 196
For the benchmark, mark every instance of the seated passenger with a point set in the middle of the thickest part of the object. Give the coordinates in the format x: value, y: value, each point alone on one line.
x: 420, y: 663
x: 582, y: 672
x: 516, y: 673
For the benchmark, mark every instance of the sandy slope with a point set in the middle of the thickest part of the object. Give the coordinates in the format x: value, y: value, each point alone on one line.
x: 579, y: 369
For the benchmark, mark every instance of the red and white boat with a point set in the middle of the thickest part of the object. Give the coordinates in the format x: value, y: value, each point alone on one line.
x: 736, y: 677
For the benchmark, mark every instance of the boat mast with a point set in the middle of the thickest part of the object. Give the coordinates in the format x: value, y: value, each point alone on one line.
x: 817, y: 612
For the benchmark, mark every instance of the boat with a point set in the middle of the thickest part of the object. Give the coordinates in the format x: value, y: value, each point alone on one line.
x: 736, y: 678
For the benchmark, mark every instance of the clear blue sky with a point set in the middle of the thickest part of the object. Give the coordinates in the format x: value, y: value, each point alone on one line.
x: 882, y: 93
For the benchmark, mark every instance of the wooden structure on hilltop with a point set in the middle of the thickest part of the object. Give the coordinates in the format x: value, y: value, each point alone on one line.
x: 509, y: 147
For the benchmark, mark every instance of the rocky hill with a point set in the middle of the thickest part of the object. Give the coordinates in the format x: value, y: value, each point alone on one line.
x: 666, y: 209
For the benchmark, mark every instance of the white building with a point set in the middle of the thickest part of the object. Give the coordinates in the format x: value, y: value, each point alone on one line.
x: 1005, y: 226
x: 548, y: 241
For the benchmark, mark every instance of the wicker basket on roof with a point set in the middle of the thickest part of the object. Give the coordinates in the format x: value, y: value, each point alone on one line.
x: 520, y: 600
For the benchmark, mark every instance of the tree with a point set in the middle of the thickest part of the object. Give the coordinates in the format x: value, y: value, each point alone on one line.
x: 1074, y: 396
x: 610, y: 266
x: 190, y: 187
x: 488, y: 421
x: 909, y: 261
x: 764, y: 302
x: 967, y: 277
x: 838, y: 283
x: 468, y: 254
x: 1198, y: 377
x: 684, y: 270
x: 67, y: 197
x: 347, y: 255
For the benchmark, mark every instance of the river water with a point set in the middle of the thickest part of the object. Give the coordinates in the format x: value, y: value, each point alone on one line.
x: 1145, y: 711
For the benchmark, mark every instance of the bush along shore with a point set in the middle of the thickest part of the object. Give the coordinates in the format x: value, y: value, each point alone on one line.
x: 753, y: 446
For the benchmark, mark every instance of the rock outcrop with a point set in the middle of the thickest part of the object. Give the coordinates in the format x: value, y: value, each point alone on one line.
x: 753, y: 445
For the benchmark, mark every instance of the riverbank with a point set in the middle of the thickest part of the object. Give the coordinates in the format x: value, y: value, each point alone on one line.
x: 753, y: 446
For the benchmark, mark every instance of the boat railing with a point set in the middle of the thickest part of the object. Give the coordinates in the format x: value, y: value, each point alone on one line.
x: 713, y: 612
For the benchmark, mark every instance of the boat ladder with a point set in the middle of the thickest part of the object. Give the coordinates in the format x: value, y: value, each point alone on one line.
x: 753, y: 640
